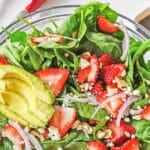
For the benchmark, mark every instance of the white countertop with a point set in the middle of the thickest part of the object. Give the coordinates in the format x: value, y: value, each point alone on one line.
x: 130, y: 8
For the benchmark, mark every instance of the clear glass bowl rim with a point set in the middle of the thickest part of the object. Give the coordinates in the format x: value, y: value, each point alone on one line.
x: 139, y: 31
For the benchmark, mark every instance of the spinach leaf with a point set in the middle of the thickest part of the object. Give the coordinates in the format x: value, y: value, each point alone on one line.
x: 142, y: 130
x: 18, y: 36
x: 87, y: 110
x: 106, y: 43
x: 5, y: 144
x: 74, y: 138
x: 140, y: 103
x: 71, y: 61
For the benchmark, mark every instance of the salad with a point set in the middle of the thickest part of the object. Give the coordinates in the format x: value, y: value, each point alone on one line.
x: 83, y: 85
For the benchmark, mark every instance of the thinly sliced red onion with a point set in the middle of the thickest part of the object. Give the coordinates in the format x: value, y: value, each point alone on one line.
x: 107, y: 100
x: 88, y: 99
x: 125, y: 42
x: 22, y: 133
x: 34, y: 141
x: 125, y: 106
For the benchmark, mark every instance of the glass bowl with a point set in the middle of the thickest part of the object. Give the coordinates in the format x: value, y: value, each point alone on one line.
x: 41, y: 19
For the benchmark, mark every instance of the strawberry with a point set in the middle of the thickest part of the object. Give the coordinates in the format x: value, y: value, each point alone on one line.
x: 54, y: 38
x: 115, y: 102
x: 13, y: 135
x: 105, y: 25
x: 96, y: 145
x: 3, y: 60
x: 83, y: 74
x: 90, y: 73
x: 97, y: 88
x: 109, y: 73
x: 131, y: 144
x: 54, y: 77
x: 106, y: 60
x: 63, y: 119
x: 119, y: 133
x: 145, y: 114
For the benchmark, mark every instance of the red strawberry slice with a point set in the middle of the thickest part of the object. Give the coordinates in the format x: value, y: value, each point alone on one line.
x: 96, y: 145
x: 97, y: 88
x: 109, y: 73
x: 105, y: 25
x: 145, y: 114
x: 83, y: 74
x: 94, y: 69
x: 131, y: 144
x: 3, y: 60
x: 54, y: 38
x: 120, y: 133
x: 13, y: 135
x: 106, y: 60
x: 54, y: 77
x: 90, y: 73
x: 114, y: 99
x: 63, y: 119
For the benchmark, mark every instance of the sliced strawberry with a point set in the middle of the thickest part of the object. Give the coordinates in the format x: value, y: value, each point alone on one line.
x: 109, y: 73
x: 114, y: 100
x: 13, y: 135
x: 106, y: 60
x: 105, y: 25
x: 83, y: 74
x: 90, y: 73
x: 54, y: 77
x: 3, y: 60
x: 120, y: 133
x: 97, y: 88
x: 101, y: 96
x: 66, y: 117
x: 55, y: 120
x: 145, y: 114
x: 54, y: 38
x: 94, y: 69
x: 96, y: 145
x: 131, y: 144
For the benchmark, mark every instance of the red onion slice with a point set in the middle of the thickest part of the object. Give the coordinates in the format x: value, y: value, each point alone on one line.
x: 125, y: 42
x: 125, y: 106
x: 107, y: 100
x: 22, y: 133
x: 34, y: 141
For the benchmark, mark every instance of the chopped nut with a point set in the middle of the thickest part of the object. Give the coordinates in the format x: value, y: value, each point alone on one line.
x: 76, y: 124
x: 108, y: 133
x: 110, y: 144
x: 37, y: 134
x: 121, y: 83
x: 100, y: 134
x: 136, y: 117
x: 86, y: 127
x: 53, y: 133
x: 136, y: 92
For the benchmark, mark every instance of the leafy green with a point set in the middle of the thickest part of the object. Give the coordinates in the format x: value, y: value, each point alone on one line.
x: 142, y: 130
x: 70, y: 142
x: 87, y: 110
x: 140, y: 103
x: 5, y: 144
x: 19, y: 36
x: 106, y: 43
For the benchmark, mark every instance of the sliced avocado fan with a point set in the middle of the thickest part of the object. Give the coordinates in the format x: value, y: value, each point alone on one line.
x: 24, y: 98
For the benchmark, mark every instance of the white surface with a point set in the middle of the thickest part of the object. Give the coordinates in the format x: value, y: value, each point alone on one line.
x: 9, y: 9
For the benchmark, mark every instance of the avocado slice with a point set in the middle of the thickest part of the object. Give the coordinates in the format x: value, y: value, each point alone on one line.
x: 19, y: 86
x: 24, y: 97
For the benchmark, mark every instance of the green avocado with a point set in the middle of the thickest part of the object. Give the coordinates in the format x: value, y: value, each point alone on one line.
x: 24, y: 97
